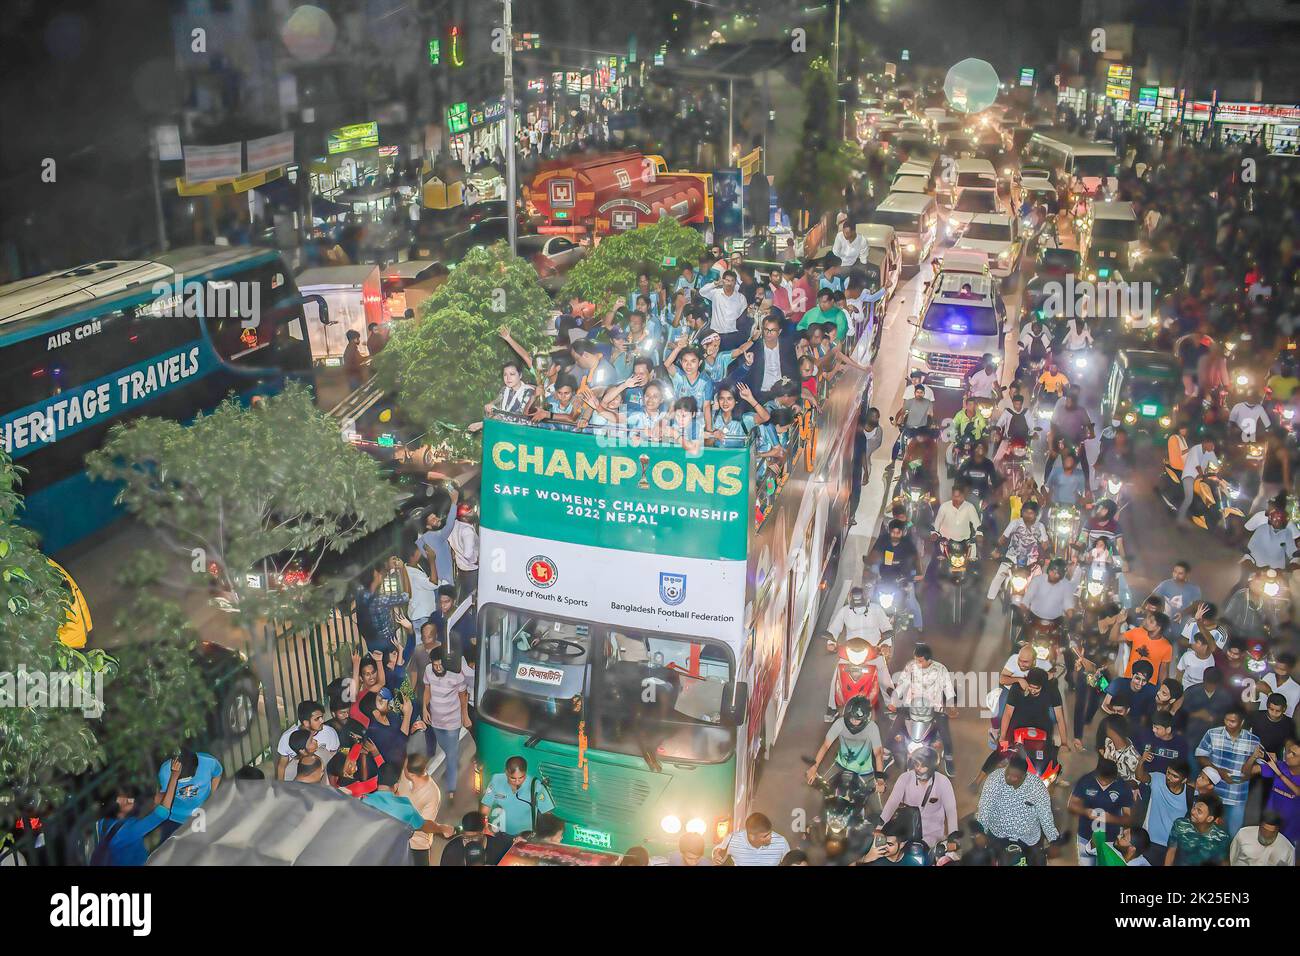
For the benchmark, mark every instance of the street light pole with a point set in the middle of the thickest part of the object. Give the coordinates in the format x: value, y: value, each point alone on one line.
x: 512, y: 220
x: 835, y: 49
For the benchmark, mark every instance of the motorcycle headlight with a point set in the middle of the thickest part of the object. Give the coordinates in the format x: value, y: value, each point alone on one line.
x: 958, y: 560
x: 911, y: 247
x: 671, y: 824
x: 1254, y: 451
x: 1113, y: 486
x: 1165, y: 421
x: 1243, y: 380
x: 1130, y: 418
x: 1044, y: 414
x: 1288, y: 413
x: 886, y: 600
x: 1094, y: 588
x: 696, y: 825
x: 1081, y: 363
x: 986, y: 411
x: 1019, y: 583
x: 1271, y: 588
x: 914, y: 494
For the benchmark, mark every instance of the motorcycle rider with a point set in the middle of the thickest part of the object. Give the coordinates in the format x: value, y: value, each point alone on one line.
x: 857, y: 618
x: 1071, y: 421
x: 956, y: 520
x: 1249, y: 417
x: 1035, y: 343
x: 981, y: 477
x: 927, y: 682
x: 1033, y: 708
x: 930, y: 792
x: 1023, y: 539
x: 1196, y: 464
x: 859, y: 751
x: 1015, y: 424
x: 985, y: 381
x: 1272, y: 541
x: 894, y: 561
x: 1066, y: 486
x: 1049, y: 597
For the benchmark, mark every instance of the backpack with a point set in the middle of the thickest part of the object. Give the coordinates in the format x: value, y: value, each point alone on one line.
x: 101, y: 855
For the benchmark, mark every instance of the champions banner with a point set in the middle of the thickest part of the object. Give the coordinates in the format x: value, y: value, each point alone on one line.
x: 602, y: 491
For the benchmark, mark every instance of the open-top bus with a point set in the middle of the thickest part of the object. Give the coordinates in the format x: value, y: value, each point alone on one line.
x: 1092, y: 164
x: 83, y: 348
x: 644, y: 613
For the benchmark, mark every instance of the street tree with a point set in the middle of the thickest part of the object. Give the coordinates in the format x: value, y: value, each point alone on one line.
x: 250, y: 500
x: 42, y: 747
x: 824, y: 163
x: 442, y: 367
x: 613, y: 265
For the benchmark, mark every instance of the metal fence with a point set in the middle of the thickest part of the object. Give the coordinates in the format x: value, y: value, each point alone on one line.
x: 240, y: 734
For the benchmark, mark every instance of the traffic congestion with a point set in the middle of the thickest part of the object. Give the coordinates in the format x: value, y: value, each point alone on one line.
x: 612, y: 475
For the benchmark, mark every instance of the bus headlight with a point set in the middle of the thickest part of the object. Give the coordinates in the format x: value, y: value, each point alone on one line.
x: 671, y: 824
x: 696, y: 825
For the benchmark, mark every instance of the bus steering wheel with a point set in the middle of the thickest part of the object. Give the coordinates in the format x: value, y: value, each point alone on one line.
x: 558, y: 647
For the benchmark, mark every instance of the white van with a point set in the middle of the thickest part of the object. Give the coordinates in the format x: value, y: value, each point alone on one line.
x: 1110, y: 240
x: 975, y: 174
x: 355, y: 298
x: 915, y: 218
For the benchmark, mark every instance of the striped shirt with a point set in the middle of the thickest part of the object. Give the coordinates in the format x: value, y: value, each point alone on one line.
x: 444, y: 698
x: 746, y: 854
x: 1230, y: 753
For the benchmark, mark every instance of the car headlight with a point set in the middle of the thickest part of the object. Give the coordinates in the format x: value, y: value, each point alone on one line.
x: 918, y: 353
x: 1094, y: 588
x: 671, y: 824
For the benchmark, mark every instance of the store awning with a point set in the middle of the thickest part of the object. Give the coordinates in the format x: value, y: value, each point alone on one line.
x: 235, y: 184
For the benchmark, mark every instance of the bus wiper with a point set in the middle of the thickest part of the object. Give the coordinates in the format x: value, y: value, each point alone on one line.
x: 532, y: 741
x: 651, y: 761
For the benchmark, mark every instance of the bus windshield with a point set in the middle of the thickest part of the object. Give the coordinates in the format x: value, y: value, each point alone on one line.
x: 533, y: 673
x: 1098, y: 166
x: 662, y: 695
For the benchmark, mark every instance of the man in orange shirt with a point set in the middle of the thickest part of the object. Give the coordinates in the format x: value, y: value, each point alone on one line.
x: 1177, y: 448
x: 1148, y: 643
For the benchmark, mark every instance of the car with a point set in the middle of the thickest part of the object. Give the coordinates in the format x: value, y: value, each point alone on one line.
x: 1055, y: 261
x: 962, y: 319
x: 997, y: 236
x: 1142, y: 392
x: 552, y: 257
x: 483, y: 233
x: 971, y: 203
x: 910, y: 184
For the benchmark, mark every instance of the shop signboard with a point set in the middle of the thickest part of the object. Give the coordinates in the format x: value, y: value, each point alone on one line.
x: 1026, y: 77
x: 1147, y: 96
x: 357, y: 136
x: 457, y: 118
x: 1119, y: 81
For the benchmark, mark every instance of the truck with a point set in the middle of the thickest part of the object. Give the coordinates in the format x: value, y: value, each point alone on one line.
x: 616, y: 192
x: 355, y: 298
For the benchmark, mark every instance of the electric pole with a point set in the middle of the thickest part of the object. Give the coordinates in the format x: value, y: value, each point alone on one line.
x: 512, y: 188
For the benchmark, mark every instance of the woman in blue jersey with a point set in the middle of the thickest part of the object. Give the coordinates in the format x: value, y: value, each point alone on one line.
x: 730, y: 424
x: 684, y: 427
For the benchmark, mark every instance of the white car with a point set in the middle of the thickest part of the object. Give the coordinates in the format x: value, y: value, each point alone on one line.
x: 997, y: 236
x: 972, y: 203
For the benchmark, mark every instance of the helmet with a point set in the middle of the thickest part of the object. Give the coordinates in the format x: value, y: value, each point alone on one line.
x: 856, y: 713
x: 916, y: 853
x: 926, y: 757
x: 1057, y: 565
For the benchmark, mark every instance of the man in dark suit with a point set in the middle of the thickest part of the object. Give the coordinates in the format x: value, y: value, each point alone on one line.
x: 770, y: 359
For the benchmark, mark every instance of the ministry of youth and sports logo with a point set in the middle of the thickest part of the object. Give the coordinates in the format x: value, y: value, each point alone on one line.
x: 542, y: 571
x: 672, y: 588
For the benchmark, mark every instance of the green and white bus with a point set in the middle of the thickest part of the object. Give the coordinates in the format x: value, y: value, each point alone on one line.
x: 644, y: 613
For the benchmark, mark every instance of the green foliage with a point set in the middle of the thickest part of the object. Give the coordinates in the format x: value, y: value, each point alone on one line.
x: 39, y: 746
x: 444, y: 366
x: 256, y: 490
x: 159, y: 698
x: 612, y: 267
x: 820, y: 169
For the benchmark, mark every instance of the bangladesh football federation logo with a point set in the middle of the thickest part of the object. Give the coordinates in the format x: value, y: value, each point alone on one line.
x: 542, y: 571
x: 672, y: 587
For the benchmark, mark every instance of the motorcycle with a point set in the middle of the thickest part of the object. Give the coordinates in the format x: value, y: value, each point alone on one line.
x: 1099, y: 585
x: 846, y: 826
x: 920, y: 728
x: 1063, y: 531
x: 1036, y: 745
x: 1018, y: 462
x: 1047, y: 637
x: 1212, y: 503
x: 890, y: 599
x: 1258, y: 612
x: 1017, y: 582
x: 958, y: 558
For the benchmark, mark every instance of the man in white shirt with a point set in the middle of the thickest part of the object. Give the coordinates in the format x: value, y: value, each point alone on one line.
x: 1280, y: 682
x: 1263, y: 845
x: 1196, y: 462
x: 957, y: 519
x: 985, y: 381
x: 311, y: 718
x: 1249, y: 417
x: 1272, y: 541
x: 464, y: 552
x: 857, y: 618
x: 848, y: 245
x: 728, y: 306
x: 756, y: 845
x: 424, y: 590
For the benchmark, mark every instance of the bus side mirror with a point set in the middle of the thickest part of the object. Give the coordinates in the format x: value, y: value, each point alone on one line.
x: 735, y: 704
x: 322, y: 308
